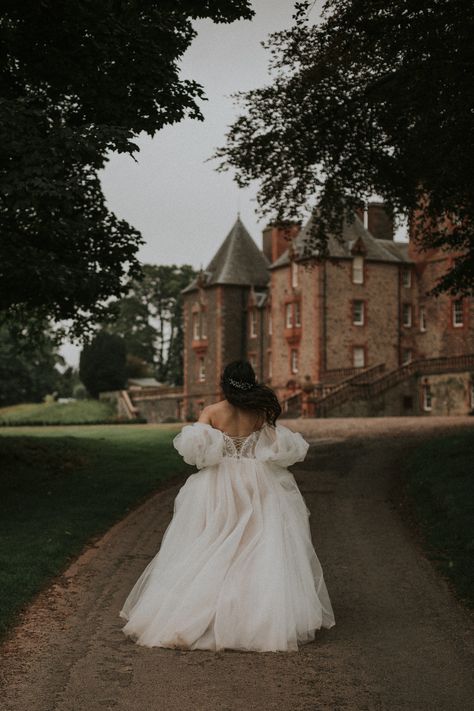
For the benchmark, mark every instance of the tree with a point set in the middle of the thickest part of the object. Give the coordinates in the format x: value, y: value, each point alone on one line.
x: 77, y: 81
x: 375, y: 99
x: 102, y: 364
x: 28, y: 369
x: 149, y: 319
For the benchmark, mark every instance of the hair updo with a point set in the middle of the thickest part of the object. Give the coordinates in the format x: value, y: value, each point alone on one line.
x: 241, y: 389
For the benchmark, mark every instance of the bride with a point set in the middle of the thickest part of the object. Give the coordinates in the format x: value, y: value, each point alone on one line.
x: 236, y: 568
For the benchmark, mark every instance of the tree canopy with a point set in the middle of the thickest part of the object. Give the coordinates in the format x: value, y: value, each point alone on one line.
x: 28, y: 368
x: 78, y: 80
x: 102, y: 364
x: 149, y: 319
x: 375, y: 99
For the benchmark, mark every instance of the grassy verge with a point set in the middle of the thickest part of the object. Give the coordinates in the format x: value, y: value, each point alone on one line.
x: 439, y: 483
x: 80, y: 412
x: 62, y: 486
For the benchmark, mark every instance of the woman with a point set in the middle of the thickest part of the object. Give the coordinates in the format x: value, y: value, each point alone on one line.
x: 236, y: 568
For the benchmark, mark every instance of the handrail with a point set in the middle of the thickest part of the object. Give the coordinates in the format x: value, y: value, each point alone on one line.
x: 130, y: 410
x: 369, y: 389
x: 285, y: 402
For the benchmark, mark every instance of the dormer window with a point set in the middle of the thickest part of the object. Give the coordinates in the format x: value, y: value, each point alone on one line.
x: 406, y: 277
x: 358, y: 269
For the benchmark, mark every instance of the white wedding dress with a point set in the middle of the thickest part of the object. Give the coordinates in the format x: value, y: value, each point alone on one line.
x: 236, y: 568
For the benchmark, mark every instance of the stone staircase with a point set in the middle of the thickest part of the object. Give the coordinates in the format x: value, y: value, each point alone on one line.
x: 373, y: 381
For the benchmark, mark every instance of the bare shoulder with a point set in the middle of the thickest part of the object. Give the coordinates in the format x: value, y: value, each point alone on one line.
x: 211, y: 411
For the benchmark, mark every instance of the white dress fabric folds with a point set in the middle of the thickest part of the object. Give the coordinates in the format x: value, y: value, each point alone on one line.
x: 236, y: 568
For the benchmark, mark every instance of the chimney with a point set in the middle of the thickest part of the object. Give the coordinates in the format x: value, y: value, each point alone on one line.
x: 379, y: 223
x: 276, y: 239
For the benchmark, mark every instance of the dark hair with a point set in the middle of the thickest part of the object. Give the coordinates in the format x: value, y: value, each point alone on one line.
x: 241, y: 389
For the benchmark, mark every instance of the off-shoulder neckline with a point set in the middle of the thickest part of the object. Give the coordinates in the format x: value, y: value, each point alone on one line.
x: 206, y: 424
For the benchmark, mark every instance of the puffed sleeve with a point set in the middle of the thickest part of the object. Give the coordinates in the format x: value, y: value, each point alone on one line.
x: 281, y: 446
x: 200, y: 444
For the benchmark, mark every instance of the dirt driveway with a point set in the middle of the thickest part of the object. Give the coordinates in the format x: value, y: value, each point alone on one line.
x: 401, y: 640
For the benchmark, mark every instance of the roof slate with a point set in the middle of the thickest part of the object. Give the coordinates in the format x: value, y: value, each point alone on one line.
x: 380, y: 250
x: 238, y: 261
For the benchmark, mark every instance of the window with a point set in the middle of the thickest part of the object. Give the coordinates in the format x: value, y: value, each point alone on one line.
x: 406, y: 277
x: 406, y: 315
x: 289, y: 316
x: 422, y: 319
x: 203, y: 316
x: 358, y: 313
x: 253, y: 323
x: 297, y: 314
x: 427, y: 397
x: 253, y: 360
x: 294, y: 275
x: 358, y: 270
x: 269, y: 364
x: 457, y: 313
x: 270, y: 323
x: 407, y: 356
x: 196, y: 327
x: 358, y: 357
x: 294, y: 360
x: 202, y: 370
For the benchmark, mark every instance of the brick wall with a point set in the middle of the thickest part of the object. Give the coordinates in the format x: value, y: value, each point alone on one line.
x: 380, y: 333
x: 305, y: 339
x: 207, y: 348
x: 441, y: 338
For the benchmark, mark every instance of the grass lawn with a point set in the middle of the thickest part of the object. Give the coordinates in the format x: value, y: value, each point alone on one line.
x: 80, y: 412
x: 61, y: 486
x: 440, y: 484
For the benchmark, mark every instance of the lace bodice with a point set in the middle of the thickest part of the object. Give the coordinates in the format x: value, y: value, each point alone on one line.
x: 202, y: 445
x: 240, y: 447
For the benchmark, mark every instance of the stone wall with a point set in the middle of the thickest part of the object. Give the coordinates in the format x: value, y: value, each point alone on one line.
x: 451, y: 394
x: 379, y: 335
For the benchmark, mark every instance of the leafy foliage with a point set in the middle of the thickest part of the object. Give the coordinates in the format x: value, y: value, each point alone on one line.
x: 102, y: 364
x: 150, y: 319
x: 77, y: 81
x: 27, y: 368
x: 375, y: 99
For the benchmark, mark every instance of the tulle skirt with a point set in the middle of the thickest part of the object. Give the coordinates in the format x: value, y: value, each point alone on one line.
x: 236, y: 568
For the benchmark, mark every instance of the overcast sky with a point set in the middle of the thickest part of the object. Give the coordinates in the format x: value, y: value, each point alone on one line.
x: 182, y: 206
x: 172, y: 193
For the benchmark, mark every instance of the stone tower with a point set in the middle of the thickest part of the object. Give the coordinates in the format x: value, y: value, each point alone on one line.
x: 216, y: 311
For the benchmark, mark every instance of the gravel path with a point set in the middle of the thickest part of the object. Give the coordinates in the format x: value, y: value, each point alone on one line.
x: 401, y: 640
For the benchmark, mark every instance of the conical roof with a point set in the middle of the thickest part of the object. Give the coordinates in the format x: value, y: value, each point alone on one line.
x: 238, y: 261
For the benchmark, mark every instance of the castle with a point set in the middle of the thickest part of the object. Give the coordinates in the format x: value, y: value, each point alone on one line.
x: 354, y: 335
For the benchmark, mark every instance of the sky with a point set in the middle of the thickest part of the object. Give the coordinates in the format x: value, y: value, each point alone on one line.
x: 182, y: 206
x: 172, y: 192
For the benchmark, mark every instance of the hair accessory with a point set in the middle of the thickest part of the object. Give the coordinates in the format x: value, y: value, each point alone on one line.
x: 241, y: 384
